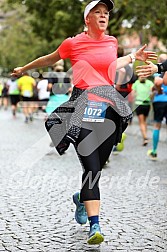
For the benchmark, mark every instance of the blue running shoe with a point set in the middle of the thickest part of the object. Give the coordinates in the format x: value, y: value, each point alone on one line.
x: 95, y: 235
x: 80, y: 212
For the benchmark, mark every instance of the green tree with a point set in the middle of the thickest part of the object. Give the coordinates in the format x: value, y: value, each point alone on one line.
x: 143, y: 16
x: 38, y: 27
x: 55, y: 20
x: 19, y: 44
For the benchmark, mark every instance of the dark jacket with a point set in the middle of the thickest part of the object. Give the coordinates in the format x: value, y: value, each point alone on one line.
x: 64, y: 124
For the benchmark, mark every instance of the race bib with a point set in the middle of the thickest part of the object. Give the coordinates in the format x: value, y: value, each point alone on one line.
x: 95, y: 112
x: 27, y: 93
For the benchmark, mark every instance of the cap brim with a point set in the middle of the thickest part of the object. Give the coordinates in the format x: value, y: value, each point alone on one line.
x: 109, y: 3
x: 91, y: 5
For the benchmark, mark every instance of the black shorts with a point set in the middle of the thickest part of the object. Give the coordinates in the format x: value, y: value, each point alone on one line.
x: 160, y: 111
x: 14, y: 99
x: 42, y: 102
x: 142, y: 110
x: 26, y: 99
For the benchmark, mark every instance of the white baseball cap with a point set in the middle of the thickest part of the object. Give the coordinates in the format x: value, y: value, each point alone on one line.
x: 91, y: 5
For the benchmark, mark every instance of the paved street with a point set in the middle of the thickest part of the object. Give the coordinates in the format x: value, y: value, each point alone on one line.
x: 36, y: 187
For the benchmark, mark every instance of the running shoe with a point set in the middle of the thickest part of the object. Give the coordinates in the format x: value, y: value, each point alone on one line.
x: 152, y: 155
x: 120, y: 146
x: 145, y: 141
x: 80, y: 212
x: 26, y: 120
x: 95, y: 235
x: 31, y: 118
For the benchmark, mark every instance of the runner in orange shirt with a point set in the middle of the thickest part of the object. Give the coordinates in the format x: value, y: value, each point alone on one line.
x: 95, y: 106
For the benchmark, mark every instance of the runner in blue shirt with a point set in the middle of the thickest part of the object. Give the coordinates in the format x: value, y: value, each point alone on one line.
x: 160, y: 111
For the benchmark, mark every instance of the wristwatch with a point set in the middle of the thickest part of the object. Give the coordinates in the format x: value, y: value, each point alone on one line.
x: 160, y: 68
x: 133, y: 58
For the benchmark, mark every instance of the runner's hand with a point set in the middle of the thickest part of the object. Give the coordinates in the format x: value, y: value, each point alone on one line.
x: 146, y: 70
x: 145, y: 55
x: 17, y: 72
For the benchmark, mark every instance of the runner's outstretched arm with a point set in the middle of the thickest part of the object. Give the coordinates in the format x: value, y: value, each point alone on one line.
x: 44, y: 61
x: 139, y: 55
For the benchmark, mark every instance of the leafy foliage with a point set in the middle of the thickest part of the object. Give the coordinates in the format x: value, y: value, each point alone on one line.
x: 38, y: 27
x: 148, y: 18
x: 19, y: 44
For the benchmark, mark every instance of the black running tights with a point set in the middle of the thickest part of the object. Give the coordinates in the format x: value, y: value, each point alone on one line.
x: 94, y: 147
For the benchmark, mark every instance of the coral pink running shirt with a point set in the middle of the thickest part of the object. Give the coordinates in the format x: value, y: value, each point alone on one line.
x: 93, y: 61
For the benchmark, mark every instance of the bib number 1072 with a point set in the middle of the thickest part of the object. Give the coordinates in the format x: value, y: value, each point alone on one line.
x: 95, y: 112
